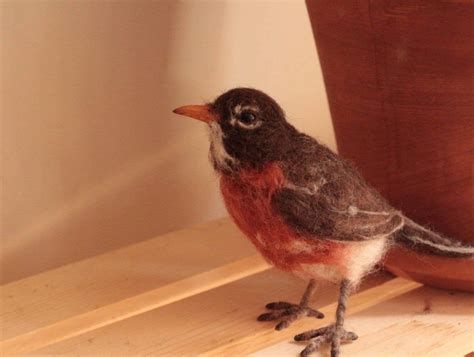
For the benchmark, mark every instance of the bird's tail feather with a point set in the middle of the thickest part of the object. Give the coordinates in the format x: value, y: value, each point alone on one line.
x: 422, y: 239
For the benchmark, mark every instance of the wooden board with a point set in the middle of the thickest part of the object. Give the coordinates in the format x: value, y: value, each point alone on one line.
x: 174, y: 295
x: 422, y: 322
x: 132, y: 306
x: 221, y: 321
x: 399, y: 80
x: 74, y: 289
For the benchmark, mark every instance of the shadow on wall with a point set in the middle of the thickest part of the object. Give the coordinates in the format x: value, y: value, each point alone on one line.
x: 93, y: 158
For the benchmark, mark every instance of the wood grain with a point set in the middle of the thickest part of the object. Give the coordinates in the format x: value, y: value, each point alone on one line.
x: 399, y: 79
x: 358, y: 302
x: 222, y: 318
x: 77, y: 288
x: 422, y: 322
x: 450, y: 273
x: 211, y: 309
x: 132, y: 306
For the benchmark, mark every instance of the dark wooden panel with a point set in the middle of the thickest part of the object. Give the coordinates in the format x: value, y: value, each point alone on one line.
x: 399, y: 78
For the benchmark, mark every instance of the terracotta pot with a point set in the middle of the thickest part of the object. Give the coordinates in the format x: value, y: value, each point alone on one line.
x: 399, y: 79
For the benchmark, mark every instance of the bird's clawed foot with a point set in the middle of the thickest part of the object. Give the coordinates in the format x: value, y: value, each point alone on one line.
x: 288, y: 313
x: 329, y: 334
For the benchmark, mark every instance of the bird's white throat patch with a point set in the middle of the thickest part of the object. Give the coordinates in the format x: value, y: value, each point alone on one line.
x: 218, y: 152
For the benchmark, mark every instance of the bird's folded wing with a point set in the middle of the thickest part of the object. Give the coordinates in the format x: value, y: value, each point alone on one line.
x: 337, y: 211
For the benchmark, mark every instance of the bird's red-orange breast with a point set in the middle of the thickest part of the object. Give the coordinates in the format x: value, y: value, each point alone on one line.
x: 247, y: 197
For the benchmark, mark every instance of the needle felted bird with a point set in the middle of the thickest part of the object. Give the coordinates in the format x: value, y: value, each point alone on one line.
x: 305, y: 209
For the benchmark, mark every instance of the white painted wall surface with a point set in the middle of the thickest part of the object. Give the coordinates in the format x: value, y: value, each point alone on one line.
x: 92, y: 157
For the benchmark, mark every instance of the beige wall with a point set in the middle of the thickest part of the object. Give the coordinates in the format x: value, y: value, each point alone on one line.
x: 92, y: 157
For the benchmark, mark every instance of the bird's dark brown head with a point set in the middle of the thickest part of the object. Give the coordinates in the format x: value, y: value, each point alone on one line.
x: 247, y: 129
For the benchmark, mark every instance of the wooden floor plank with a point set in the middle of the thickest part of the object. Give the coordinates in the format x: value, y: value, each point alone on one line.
x: 132, y: 306
x: 422, y: 322
x: 74, y: 289
x: 206, y: 322
x: 109, y: 305
x: 360, y: 301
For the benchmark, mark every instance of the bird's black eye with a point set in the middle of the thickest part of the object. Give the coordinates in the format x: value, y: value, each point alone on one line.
x: 247, y: 117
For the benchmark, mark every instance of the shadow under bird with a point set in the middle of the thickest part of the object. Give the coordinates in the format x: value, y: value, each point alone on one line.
x: 305, y: 209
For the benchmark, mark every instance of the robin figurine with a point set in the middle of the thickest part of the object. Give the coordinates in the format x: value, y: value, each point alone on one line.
x: 305, y: 209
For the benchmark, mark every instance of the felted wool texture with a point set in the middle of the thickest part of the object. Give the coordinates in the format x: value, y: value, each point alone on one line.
x: 306, y: 209
x: 422, y: 239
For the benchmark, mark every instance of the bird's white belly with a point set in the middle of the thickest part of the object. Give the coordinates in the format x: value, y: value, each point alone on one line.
x: 360, y: 259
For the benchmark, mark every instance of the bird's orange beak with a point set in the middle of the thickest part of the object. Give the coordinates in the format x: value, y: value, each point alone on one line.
x: 200, y: 112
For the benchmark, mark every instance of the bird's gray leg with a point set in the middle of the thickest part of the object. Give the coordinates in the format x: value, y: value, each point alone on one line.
x: 308, y: 293
x: 290, y: 312
x: 330, y: 334
x: 340, y: 314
